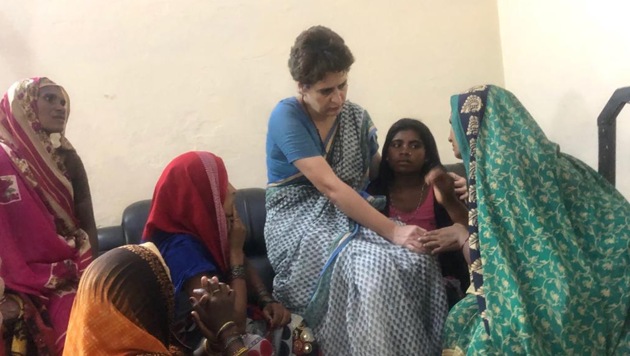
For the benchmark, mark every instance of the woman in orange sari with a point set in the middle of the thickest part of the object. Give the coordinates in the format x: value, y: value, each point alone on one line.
x: 45, y: 211
x: 125, y: 306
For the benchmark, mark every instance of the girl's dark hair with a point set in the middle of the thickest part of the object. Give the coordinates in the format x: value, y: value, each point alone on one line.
x: 386, y: 176
x: 316, y: 52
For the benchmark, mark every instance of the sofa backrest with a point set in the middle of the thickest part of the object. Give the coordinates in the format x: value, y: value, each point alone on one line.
x: 133, y: 220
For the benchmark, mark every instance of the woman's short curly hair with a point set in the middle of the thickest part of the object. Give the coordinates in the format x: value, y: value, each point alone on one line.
x: 316, y: 52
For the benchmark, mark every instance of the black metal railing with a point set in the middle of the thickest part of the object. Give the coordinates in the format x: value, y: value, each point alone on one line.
x: 607, y: 127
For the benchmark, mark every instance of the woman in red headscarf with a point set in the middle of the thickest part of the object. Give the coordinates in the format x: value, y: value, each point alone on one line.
x: 45, y: 211
x: 194, y: 224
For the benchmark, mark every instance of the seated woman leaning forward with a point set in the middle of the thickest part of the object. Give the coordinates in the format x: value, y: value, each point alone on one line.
x: 194, y: 223
x: 419, y: 192
x: 357, y: 275
x: 549, y: 240
x: 125, y: 306
x: 46, y: 218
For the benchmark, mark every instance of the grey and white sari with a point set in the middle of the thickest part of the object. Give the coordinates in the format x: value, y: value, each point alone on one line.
x: 361, y: 294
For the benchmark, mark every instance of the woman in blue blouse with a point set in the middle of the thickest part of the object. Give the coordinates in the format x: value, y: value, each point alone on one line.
x: 361, y: 281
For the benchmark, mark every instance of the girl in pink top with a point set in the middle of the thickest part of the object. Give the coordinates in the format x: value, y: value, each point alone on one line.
x: 419, y: 192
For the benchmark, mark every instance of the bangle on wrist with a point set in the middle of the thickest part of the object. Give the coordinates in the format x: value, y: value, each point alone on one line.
x: 237, y: 271
x: 224, y: 327
x: 264, y: 303
x: 265, y: 297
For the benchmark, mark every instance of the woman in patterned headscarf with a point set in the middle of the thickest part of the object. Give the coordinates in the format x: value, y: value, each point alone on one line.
x: 549, y: 240
x: 45, y: 211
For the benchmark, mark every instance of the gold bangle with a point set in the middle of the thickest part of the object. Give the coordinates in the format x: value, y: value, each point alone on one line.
x: 225, y: 327
x: 240, y: 351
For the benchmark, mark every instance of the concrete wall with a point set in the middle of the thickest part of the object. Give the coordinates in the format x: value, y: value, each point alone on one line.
x: 564, y: 59
x: 149, y: 80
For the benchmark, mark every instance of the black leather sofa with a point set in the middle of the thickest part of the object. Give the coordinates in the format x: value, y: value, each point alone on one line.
x: 250, y: 204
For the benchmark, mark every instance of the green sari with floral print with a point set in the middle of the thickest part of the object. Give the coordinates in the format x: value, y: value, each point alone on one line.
x: 549, y: 241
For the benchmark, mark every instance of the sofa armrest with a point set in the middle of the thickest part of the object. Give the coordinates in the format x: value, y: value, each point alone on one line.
x: 109, y: 237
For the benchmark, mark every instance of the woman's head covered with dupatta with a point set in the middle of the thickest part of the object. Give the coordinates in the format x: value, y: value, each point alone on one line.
x: 189, y: 198
x: 32, y: 110
x: 544, y: 227
x: 33, y: 116
x: 124, y: 305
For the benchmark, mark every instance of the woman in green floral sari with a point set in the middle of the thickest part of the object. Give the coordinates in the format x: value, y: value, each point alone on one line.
x: 549, y: 241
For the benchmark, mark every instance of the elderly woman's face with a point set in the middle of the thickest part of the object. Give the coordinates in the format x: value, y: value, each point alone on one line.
x: 51, y: 109
x: 325, y: 98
